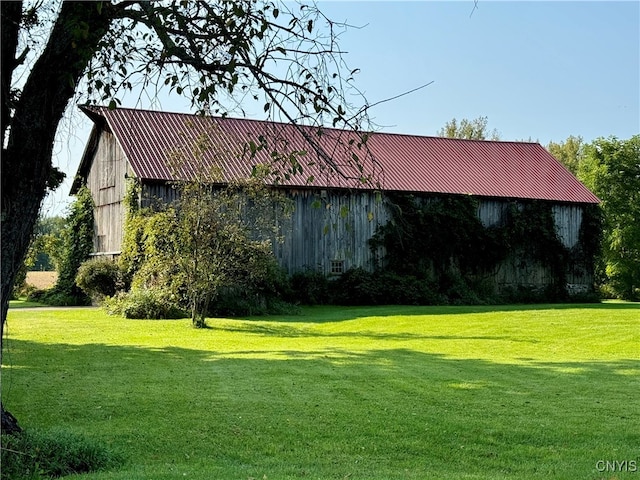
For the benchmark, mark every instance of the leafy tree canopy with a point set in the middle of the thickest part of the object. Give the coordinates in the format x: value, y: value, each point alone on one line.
x: 217, y: 54
x: 611, y: 169
x: 475, y: 129
x: 285, y: 56
x: 569, y: 152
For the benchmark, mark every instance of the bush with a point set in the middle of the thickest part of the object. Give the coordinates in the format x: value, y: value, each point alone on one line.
x: 235, y: 301
x: 458, y: 290
x: 28, y: 290
x: 57, y: 298
x: 356, y: 286
x: 407, y: 290
x: 141, y: 303
x: 36, y: 295
x: 100, y: 278
x: 359, y: 287
x: 308, y: 288
x: 39, y: 455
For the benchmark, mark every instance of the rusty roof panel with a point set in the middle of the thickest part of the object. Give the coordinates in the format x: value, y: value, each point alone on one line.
x: 164, y: 146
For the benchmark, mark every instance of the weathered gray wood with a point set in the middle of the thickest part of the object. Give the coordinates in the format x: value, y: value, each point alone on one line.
x: 568, y: 220
x: 330, y: 226
x: 106, y: 181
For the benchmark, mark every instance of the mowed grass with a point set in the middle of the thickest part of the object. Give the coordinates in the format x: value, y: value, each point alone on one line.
x: 340, y: 393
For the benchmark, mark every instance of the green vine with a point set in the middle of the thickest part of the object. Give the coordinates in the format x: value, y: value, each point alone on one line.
x: 435, y: 235
x: 442, y: 240
x: 131, y: 200
x: 132, y: 250
x: 587, y: 252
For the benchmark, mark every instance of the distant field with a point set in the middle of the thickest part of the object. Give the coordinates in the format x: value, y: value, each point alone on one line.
x: 42, y: 280
x: 384, y: 393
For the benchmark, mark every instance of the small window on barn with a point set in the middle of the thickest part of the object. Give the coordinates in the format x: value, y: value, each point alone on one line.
x: 337, y: 267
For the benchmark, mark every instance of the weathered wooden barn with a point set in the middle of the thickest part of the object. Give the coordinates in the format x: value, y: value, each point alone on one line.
x: 339, y: 194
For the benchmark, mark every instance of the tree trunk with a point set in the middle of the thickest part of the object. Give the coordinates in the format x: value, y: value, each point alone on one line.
x: 9, y: 423
x: 27, y: 170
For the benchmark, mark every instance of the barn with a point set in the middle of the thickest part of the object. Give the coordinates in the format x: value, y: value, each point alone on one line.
x: 341, y: 188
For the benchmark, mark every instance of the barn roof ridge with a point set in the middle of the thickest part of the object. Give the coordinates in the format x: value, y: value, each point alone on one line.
x: 87, y: 107
x: 396, y: 161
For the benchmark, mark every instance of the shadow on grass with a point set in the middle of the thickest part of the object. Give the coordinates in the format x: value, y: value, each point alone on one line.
x: 277, y: 329
x: 78, y: 361
x: 325, y: 314
x: 291, y: 411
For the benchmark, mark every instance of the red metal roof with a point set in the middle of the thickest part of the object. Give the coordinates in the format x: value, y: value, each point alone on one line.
x: 160, y: 146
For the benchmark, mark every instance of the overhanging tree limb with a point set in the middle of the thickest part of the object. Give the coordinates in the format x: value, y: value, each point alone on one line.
x: 202, y: 50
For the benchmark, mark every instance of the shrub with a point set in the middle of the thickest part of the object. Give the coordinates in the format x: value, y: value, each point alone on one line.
x: 235, y: 301
x: 36, y: 455
x: 356, y: 286
x: 407, y: 290
x: 36, y: 295
x: 359, y: 287
x: 308, y: 288
x: 57, y: 298
x: 141, y: 303
x: 100, y: 278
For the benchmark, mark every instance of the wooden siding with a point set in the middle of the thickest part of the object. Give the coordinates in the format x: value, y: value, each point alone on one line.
x: 106, y: 182
x: 491, y: 212
x: 330, y: 226
x: 568, y: 220
x: 157, y: 193
x: 518, y: 271
x: 325, y: 227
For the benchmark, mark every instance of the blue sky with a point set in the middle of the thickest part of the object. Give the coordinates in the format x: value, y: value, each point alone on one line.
x: 542, y: 70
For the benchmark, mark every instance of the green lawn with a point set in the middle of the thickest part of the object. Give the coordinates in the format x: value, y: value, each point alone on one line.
x: 24, y: 304
x: 340, y: 393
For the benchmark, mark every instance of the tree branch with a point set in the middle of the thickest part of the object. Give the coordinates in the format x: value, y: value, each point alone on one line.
x: 11, y: 14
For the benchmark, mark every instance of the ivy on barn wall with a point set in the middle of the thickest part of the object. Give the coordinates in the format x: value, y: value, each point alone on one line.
x: 440, y: 238
x: 439, y: 251
x: 132, y: 250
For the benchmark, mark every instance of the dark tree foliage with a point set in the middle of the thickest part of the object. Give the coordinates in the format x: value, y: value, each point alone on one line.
x: 611, y: 169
